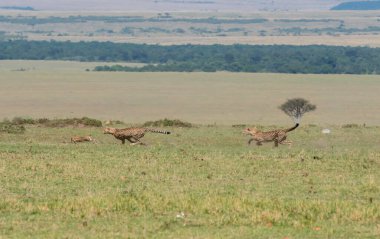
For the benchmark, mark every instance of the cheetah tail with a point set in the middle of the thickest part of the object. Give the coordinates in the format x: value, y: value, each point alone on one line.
x: 158, y: 131
x: 292, y: 128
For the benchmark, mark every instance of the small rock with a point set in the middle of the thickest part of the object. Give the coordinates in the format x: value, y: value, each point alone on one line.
x: 181, y: 215
x: 326, y: 131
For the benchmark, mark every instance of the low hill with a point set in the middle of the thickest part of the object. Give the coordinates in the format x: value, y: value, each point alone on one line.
x: 20, y: 8
x: 362, y: 5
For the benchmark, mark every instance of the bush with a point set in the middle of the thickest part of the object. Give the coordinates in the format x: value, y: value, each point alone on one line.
x: 42, y: 121
x: 239, y: 125
x: 90, y: 122
x: 350, y: 126
x: 85, y: 121
x: 167, y: 122
x: 8, y: 127
x: 21, y: 121
x: 56, y: 123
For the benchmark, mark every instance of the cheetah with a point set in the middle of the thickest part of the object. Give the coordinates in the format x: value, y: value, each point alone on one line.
x: 133, y: 135
x: 278, y: 136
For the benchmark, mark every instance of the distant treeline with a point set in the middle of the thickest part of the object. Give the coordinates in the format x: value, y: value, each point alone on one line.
x: 316, y: 59
x: 25, y: 8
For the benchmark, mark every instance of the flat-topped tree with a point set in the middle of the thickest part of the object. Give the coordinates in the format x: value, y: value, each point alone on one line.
x: 296, y: 108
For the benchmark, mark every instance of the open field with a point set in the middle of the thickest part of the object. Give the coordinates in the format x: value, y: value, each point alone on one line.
x: 346, y: 28
x: 351, y: 40
x: 65, y: 89
x: 198, y: 182
x: 202, y: 182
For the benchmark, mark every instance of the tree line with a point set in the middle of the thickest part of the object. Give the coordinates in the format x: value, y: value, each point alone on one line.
x: 316, y: 59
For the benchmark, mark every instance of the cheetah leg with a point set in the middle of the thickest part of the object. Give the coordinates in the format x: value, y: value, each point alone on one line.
x: 282, y: 140
x: 132, y: 142
x: 138, y: 142
x: 276, y: 143
x: 122, y: 141
x: 250, y: 140
x: 288, y: 142
x: 258, y: 143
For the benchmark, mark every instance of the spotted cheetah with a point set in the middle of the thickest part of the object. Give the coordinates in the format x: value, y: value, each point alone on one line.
x: 278, y: 136
x: 133, y: 135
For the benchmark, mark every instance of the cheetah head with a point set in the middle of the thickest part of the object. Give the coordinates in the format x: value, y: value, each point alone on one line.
x: 109, y: 130
x: 250, y: 131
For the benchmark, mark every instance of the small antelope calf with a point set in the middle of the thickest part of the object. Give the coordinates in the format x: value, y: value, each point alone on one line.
x: 78, y: 139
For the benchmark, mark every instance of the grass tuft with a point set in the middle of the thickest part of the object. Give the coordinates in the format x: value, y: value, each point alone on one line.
x: 167, y: 123
x: 350, y: 126
x: 8, y: 127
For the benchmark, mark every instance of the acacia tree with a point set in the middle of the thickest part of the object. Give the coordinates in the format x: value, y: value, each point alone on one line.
x: 296, y: 108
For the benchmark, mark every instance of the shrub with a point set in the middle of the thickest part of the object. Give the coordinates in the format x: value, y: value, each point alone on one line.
x: 42, y: 121
x: 167, y: 122
x: 350, y: 126
x: 85, y: 121
x: 90, y: 122
x: 8, y: 127
x: 239, y: 125
x: 21, y: 121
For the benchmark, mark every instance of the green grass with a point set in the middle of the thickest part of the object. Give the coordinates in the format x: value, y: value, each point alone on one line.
x: 323, y: 186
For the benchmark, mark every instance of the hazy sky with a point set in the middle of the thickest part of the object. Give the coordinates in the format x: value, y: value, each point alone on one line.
x: 173, y: 5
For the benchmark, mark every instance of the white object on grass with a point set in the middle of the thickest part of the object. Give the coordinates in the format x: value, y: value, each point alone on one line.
x: 326, y: 131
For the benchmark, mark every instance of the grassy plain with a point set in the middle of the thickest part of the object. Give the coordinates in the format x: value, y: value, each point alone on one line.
x: 65, y: 89
x: 202, y: 182
x: 348, y: 28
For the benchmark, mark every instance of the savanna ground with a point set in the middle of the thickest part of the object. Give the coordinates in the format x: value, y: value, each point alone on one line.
x: 57, y: 89
x: 200, y: 182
